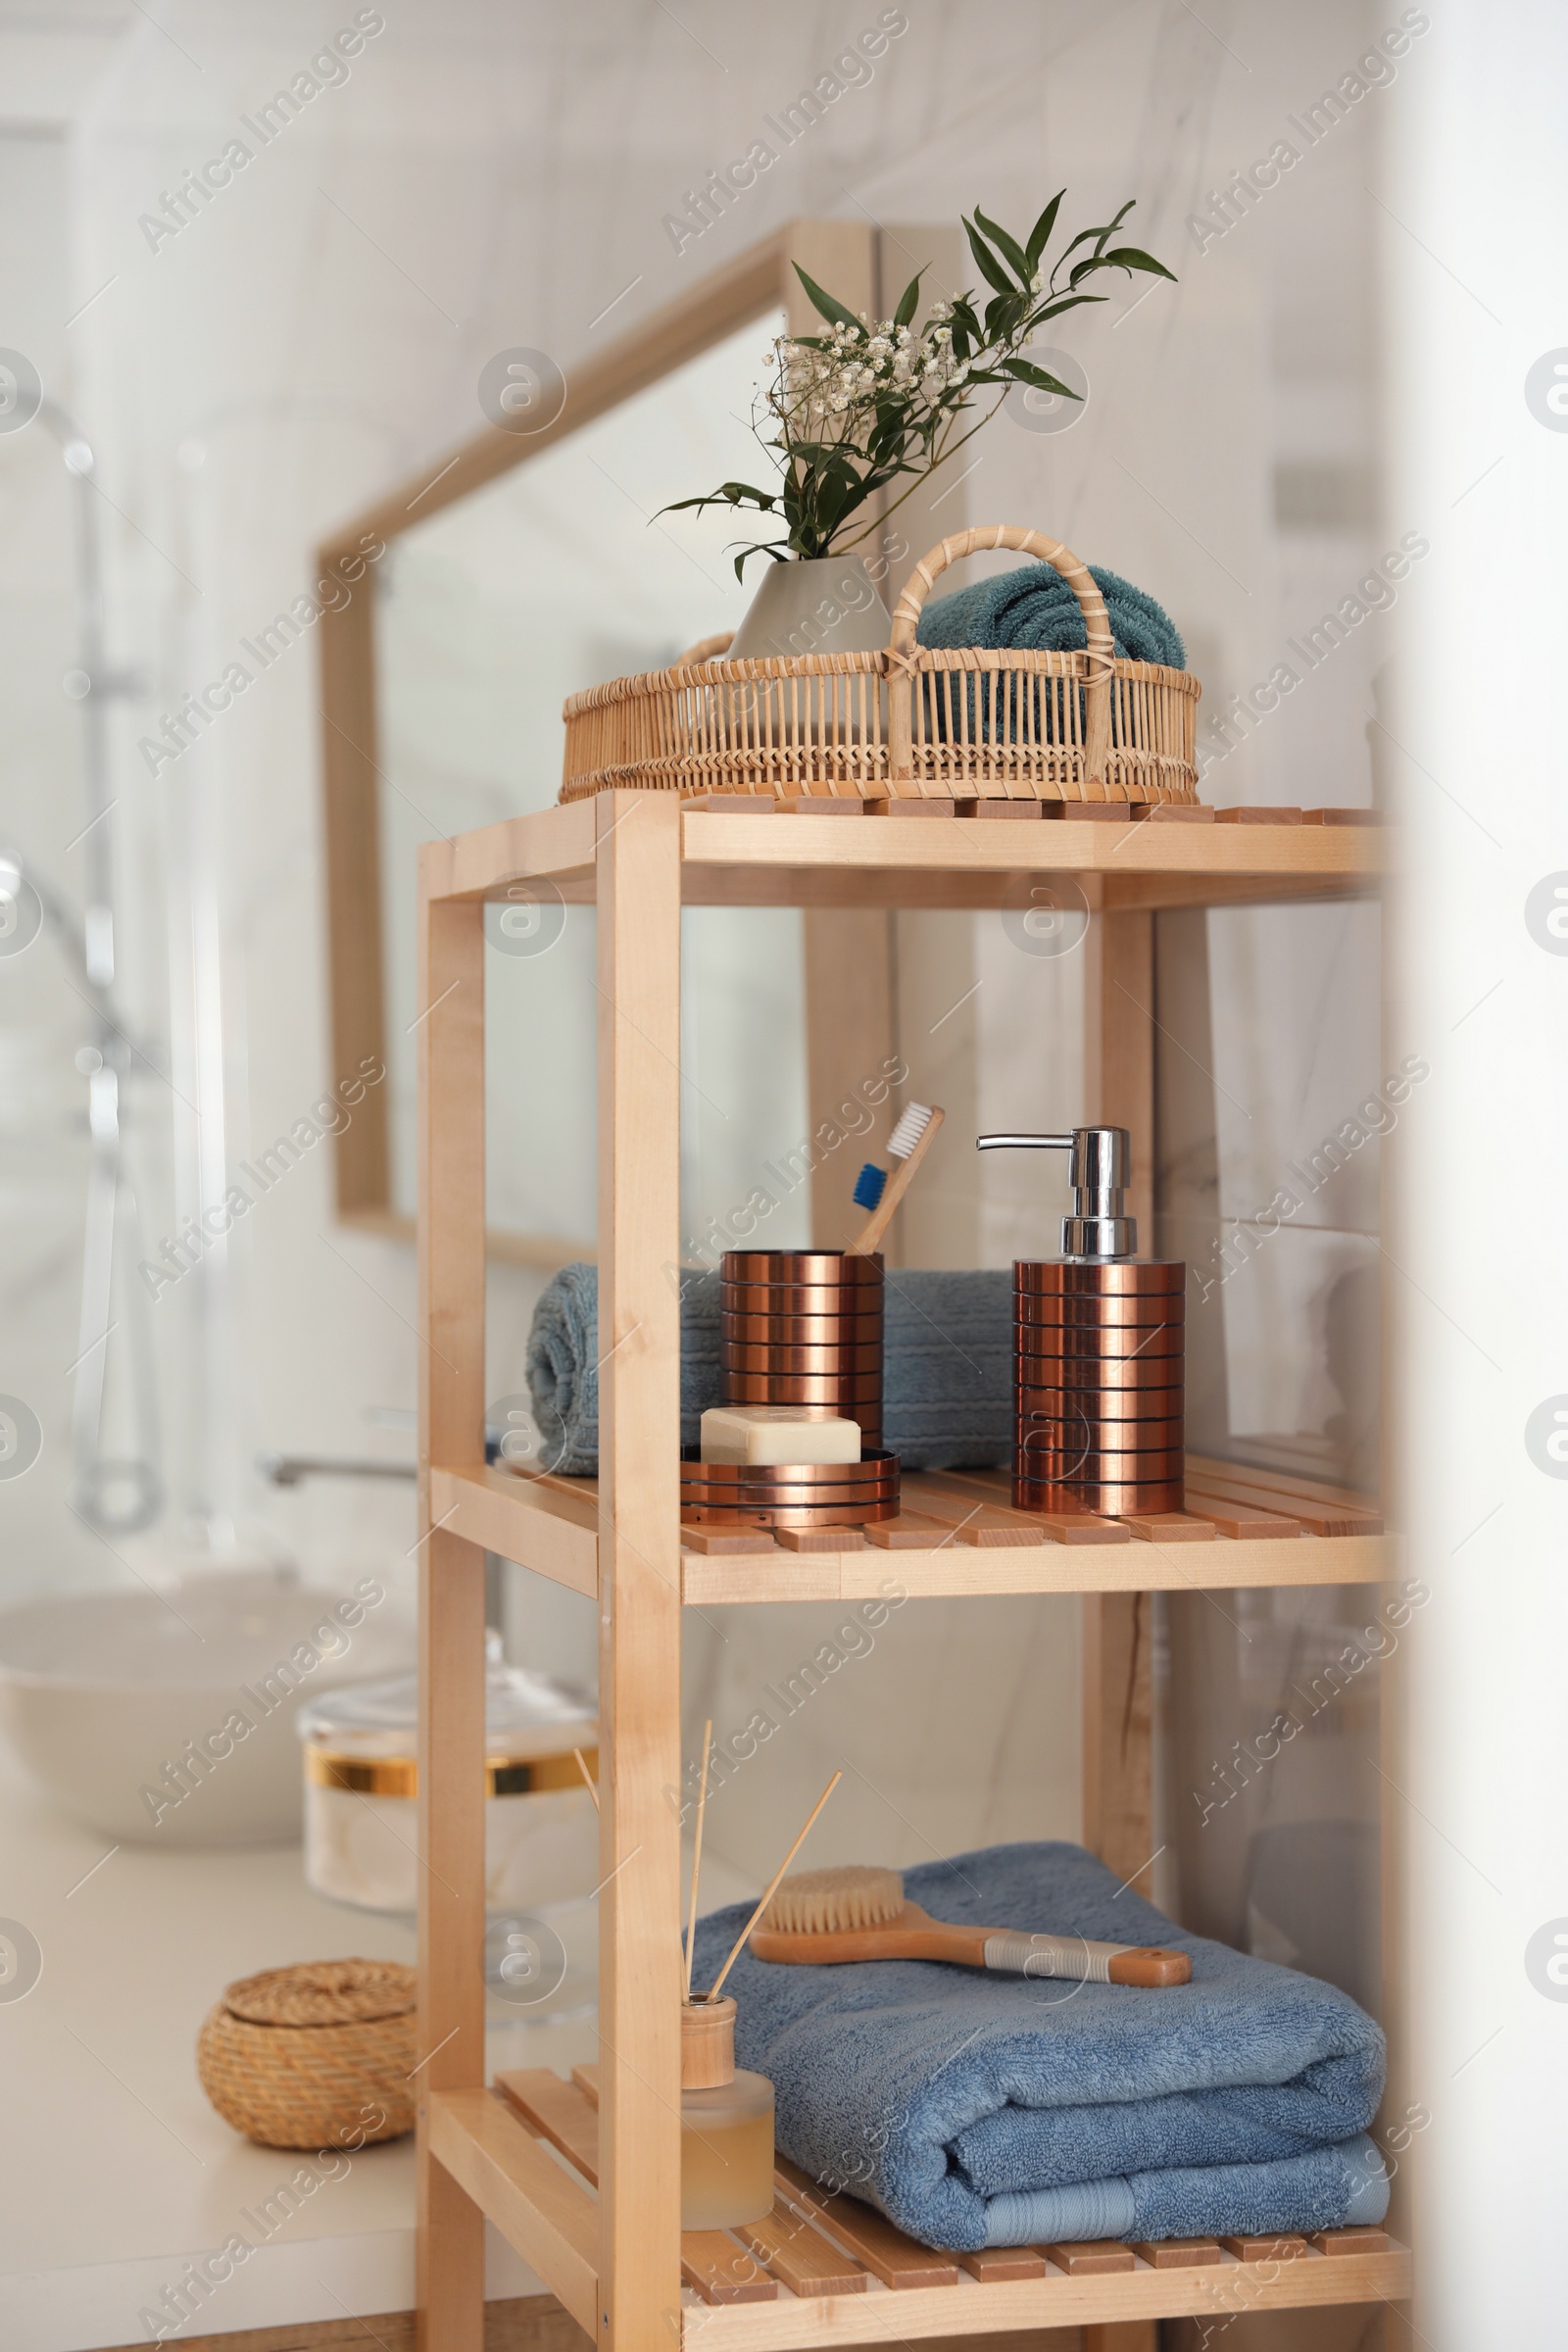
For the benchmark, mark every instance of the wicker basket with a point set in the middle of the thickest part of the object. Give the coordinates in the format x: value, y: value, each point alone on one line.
x: 318, y: 2057
x: 909, y: 722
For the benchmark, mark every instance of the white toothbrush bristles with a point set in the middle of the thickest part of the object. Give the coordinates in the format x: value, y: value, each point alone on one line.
x: 913, y: 1124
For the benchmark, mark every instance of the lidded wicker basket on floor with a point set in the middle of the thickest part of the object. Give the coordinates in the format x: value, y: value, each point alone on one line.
x: 315, y: 2056
x: 906, y: 722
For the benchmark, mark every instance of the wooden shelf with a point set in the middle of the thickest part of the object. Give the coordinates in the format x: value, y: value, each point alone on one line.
x: 527, y: 2153
x: 960, y: 861
x: 551, y: 1524
x: 820, y: 2270
x: 548, y: 1524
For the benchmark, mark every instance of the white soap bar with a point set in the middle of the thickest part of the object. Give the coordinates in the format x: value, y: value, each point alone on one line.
x: 779, y: 1432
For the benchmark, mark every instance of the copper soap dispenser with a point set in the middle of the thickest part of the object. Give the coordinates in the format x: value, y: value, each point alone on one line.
x: 1098, y: 1348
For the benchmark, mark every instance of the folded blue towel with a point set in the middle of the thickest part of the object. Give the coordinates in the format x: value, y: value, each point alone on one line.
x: 980, y: 2110
x: 947, y: 1378
x: 948, y: 1355
x: 1034, y: 608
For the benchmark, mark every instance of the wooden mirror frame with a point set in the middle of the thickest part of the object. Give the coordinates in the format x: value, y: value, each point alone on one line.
x: 842, y: 971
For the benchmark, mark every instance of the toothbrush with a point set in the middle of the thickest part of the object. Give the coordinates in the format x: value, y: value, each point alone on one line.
x: 911, y: 1139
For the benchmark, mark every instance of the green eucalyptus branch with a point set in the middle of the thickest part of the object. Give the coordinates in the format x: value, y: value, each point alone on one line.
x: 863, y: 405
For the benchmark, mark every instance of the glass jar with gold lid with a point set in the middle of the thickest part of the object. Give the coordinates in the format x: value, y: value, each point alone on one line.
x: 362, y: 1784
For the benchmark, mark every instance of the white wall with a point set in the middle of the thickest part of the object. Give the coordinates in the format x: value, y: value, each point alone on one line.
x: 1475, y: 306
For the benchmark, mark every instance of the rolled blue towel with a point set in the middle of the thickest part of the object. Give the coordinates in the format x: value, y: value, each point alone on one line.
x: 1032, y: 608
x: 947, y: 1383
x: 986, y: 2110
x: 562, y: 1365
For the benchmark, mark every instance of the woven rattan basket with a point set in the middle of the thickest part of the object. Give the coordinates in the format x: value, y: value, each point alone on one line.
x: 909, y: 723
x: 316, y: 2056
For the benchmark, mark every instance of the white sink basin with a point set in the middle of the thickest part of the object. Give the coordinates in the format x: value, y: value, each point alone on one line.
x: 167, y: 1718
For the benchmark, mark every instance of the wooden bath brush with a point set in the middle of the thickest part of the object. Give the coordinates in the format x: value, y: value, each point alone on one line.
x: 860, y: 1913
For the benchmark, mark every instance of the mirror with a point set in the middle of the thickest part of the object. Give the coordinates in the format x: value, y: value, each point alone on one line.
x: 550, y: 579
x: 530, y: 566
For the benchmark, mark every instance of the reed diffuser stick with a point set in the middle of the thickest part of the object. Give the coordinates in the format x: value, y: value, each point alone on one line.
x: 714, y: 1990
x: 589, y: 1782
x: 697, y: 1852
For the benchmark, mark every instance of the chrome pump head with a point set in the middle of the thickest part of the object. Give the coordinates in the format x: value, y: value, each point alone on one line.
x: 1100, y: 1170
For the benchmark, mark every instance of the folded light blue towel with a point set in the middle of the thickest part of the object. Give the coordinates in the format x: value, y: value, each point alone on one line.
x: 947, y: 1378
x: 947, y: 1367
x: 1034, y: 608
x: 980, y: 2110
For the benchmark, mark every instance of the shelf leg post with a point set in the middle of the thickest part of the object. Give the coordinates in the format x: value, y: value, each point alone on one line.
x: 850, y: 1029
x: 639, y: 1571
x: 450, y: 2258
x: 1117, y: 1686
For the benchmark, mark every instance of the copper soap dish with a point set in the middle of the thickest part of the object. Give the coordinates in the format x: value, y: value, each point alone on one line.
x: 789, y: 1493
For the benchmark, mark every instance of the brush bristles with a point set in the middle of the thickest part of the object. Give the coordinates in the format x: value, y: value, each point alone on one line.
x: 915, y: 1119
x: 824, y: 1903
x: 869, y: 1186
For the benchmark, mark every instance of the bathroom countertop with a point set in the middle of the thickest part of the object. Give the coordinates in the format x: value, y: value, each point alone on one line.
x: 119, y: 2172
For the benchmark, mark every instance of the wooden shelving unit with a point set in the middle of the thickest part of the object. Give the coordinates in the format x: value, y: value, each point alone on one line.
x: 584, y: 2179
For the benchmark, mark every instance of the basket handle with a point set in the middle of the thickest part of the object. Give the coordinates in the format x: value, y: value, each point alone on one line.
x: 1097, y: 624
x: 704, y: 650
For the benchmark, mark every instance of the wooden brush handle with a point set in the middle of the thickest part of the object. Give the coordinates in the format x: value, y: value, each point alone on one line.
x: 915, y: 1935
x: 870, y: 1237
x: 1074, y: 1957
x: 1149, y: 1964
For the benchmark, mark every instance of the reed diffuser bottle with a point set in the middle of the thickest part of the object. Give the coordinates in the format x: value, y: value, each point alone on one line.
x: 726, y: 2124
x: 726, y: 2115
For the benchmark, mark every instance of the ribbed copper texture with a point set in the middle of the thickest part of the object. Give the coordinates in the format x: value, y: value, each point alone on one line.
x: 740, y: 1355
x: 1135, y: 1311
x: 789, y: 1493
x: 804, y: 1327
x: 1117, y: 1277
x: 859, y: 1300
x: 802, y: 1388
x: 1102, y: 1405
x: 1099, y: 1412
x: 1072, y: 1466
x: 1088, y: 1372
x: 1068, y: 1435
x: 1136, y: 1499
x: 830, y: 1268
x: 805, y: 1331
x: 1110, y: 1344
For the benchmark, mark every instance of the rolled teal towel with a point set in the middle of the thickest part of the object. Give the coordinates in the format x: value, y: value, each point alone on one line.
x: 1034, y: 610
x: 979, y: 2110
x: 947, y: 1381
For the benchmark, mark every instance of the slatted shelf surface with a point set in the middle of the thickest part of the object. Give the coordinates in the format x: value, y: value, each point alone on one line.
x: 828, y: 2268
x: 737, y: 857
x: 958, y: 1533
